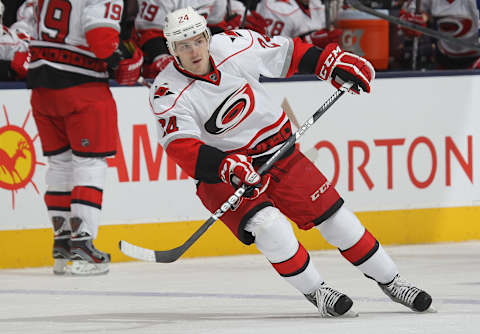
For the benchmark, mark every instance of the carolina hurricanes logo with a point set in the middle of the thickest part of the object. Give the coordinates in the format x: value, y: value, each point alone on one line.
x: 456, y: 27
x: 17, y: 157
x: 232, y: 111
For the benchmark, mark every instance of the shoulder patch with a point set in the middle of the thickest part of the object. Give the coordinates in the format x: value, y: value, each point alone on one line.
x: 162, y: 90
x: 232, y: 34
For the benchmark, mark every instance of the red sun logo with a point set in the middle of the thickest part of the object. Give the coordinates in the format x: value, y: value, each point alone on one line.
x: 17, y: 157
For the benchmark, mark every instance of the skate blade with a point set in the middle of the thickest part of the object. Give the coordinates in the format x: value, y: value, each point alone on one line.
x: 348, y: 314
x: 84, y: 268
x: 431, y: 309
x: 60, y: 266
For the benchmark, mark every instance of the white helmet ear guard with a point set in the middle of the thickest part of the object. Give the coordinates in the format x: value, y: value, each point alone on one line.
x: 182, y: 24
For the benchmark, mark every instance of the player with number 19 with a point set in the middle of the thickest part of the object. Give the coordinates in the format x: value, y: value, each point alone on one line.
x: 76, y: 47
x: 218, y: 123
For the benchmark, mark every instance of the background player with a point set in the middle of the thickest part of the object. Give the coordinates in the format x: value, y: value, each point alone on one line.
x: 13, y: 52
x: 302, y: 18
x: 77, y: 44
x: 459, y: 19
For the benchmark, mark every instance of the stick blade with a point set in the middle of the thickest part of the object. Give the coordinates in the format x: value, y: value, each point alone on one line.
x: 150, y: 255
x: 137, y: 252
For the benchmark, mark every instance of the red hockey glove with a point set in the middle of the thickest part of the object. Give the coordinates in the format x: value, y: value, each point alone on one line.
x: 256, y: 22
x: 339, y: 67
x: 19, y: 64
x: 237, y: 169
x: 419, y: 19
x: 128, y: 70
x: 150, y: 71
x: 322, y: 38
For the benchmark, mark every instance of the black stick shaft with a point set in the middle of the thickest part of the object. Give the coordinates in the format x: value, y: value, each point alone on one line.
x: 244, y: 18
x: 328, y: 22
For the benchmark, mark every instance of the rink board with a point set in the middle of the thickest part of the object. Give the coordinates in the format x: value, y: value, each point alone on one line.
x: 405, y: 159
x: 32, y: 247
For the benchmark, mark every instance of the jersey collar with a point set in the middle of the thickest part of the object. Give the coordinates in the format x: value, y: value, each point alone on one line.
x: 213, y: 77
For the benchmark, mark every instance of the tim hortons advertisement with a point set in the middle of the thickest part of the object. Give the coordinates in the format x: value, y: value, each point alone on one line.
x: 411, y: 143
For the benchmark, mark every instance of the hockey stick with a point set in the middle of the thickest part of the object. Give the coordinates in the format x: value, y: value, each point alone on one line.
x: 244, y: 18
x: 289, y: 111
x: 142, y: 81
x: 426, y: 31
x: 229, y: 8
x: 312, y: 153
x: 327, y: 15
x: 172, y: 255
x: 418, y: 3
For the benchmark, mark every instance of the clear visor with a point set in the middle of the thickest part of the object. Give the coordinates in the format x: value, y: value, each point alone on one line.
x: 190, y: 45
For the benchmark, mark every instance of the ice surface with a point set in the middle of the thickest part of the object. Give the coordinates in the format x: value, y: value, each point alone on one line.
x: 241, y: 294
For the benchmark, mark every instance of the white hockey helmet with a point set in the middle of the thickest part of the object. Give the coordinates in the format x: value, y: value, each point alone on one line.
x: 183, y: 24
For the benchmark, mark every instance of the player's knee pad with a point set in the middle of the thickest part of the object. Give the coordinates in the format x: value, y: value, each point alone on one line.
x: 89, y: 171
x: 59, y: 175
x: 342, y: 229
x: 273, y: 234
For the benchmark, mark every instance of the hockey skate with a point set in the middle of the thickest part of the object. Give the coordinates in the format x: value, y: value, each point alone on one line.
x: 61, y: 246
x: 331, y: 303
x: 405, y: 293
x: 86, y: 259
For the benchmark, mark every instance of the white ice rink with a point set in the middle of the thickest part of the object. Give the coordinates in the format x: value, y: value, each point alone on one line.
x: 241, y: 294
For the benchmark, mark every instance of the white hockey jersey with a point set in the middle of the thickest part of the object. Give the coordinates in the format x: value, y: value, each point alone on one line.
x: 289, y: 18
x: 10, y: 44
x: 151, y: 13
x: 457, y: 18
x: 61, y: 44
x: 230, y: 110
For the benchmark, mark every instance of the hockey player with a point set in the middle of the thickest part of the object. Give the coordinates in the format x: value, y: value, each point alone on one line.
x: 218, y: 123
x: 457, y: 18
x: 299, y: 18
x: 13, y: 52
x: 151, y: 16
x: 76, y: 117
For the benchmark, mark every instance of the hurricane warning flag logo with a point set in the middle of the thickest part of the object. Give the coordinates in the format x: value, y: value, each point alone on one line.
x: 17, y: 157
